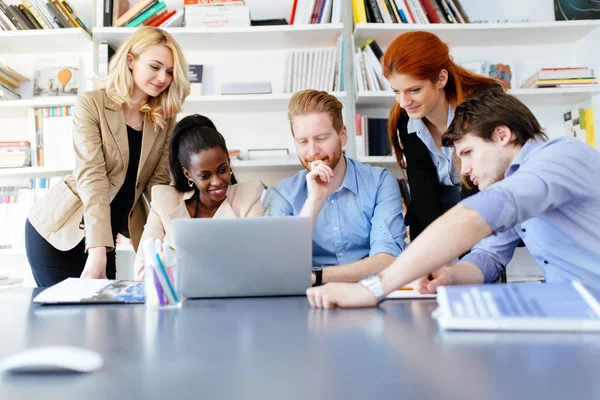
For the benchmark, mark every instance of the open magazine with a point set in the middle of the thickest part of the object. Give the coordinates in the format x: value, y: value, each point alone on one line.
x: 82, y: 291
x: 518, y: 307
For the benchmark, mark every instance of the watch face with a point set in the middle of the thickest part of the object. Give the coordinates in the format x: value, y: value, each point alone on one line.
x: 317, y: 269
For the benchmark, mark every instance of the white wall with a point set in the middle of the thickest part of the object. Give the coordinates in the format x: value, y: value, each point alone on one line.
x: 512, y: 10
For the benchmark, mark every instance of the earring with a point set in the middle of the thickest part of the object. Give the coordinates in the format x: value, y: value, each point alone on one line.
x: 191, y: 183
x: 130, y: 69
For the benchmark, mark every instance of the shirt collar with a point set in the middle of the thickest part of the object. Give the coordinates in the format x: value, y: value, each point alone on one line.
x: 521, y: 156
x: 416, y: 125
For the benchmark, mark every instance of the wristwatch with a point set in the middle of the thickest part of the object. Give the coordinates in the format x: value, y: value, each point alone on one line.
x: 318, y: 271
x: 373, y: 283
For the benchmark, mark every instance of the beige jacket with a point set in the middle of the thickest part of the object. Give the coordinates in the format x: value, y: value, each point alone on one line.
x: 79, y: 205
x: 242, y: 201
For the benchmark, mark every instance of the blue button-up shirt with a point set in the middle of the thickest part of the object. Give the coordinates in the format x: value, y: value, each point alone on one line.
x: 550, y: 198
x: 363, y: 217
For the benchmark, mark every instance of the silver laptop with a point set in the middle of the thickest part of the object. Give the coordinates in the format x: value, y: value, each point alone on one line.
x: 242, y: 257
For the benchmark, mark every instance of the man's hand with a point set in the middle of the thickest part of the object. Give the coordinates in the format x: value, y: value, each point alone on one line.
x: 341, y: 295
x: 318, y: 181
x: 429, y: 284
x: 95, y: 266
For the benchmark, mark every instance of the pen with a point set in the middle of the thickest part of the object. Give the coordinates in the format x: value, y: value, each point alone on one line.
x: 405, y: 288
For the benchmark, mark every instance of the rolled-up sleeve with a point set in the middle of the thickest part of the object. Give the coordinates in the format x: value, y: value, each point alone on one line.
x: 492, y: 254
x: 279, y: 206
x: 387, y: 224
x: 546, y: 181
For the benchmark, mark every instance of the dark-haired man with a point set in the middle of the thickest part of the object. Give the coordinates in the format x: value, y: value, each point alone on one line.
x: 544, y: 192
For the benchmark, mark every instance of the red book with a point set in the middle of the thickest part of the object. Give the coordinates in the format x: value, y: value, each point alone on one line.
x: 153, y: 18
x: 293, y: 12
x: 430, y: 10
x: 162, y: 19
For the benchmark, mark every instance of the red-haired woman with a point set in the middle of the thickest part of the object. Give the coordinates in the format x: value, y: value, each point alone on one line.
x: 428, y: 86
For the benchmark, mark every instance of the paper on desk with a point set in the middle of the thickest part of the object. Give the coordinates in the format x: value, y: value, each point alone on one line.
x: 73, y: 290
x: 409, y: 294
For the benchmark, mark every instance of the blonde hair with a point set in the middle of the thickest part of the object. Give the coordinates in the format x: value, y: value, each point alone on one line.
x: 119, y: 82
x: 316, y: 102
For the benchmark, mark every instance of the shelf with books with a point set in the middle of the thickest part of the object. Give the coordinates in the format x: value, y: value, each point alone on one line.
x: 63, y: 40
x: 531, y: 97
x: 54, y: 101
x: 243, y: 102
x: 33, y: 172
x: 242, y: 38
x: 477, y: 34
x: 556, y: 96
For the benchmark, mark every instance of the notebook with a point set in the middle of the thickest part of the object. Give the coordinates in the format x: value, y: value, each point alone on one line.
x: 89, y: 291
x: 553, y: 307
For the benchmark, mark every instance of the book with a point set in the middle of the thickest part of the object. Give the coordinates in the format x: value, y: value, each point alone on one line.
x: 568, y: 306
x: 90, y: 291
x: 565, y: 10
x: 195, y: 77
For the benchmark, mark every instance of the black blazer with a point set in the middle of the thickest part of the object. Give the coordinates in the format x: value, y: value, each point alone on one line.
x: 425, y: 190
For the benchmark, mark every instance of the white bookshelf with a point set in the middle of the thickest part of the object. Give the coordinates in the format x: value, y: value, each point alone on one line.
x: 492, y: 34
x: 44, y: 41
x: 248, y: 102
x: 379, y: 161
x: 531, y: 97
x: 32, y: 172
x: 246, y: 38
x: 56, y: 101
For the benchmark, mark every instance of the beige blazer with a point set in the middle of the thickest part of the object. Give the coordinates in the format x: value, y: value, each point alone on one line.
x: 242, y: 201
x: 79, y: 205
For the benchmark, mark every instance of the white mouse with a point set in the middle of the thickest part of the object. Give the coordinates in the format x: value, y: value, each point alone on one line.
x: 53, y: 359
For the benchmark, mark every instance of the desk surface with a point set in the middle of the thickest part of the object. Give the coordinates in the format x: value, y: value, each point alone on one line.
x: 280, y: 348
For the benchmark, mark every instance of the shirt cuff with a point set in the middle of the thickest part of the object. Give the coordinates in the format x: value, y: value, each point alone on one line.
x: 490, y: 267
x: 385, y: 248
x: 494, y: 207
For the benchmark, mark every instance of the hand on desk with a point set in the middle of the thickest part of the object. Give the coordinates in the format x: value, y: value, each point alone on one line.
x: 428, y: 284
x: 341, y: 295
x: 95, y: 266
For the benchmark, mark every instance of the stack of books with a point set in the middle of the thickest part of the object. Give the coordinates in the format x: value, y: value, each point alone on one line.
x: 561, y: 77
x: 316, y: 12
x: 39, y: 14
x: 371, y: 136
x: 147, y: 13
x: 320, y: 69
x: 216, y: 13
x: 408, y: 11
x: 15, y: 154
x: 369, y: 76
x: 10, y: 81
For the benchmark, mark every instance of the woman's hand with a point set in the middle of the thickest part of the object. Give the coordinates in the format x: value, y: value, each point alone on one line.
x: 95, y: 266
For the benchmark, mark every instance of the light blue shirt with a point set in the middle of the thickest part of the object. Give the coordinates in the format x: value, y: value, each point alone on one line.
x: 363, y: 217
x: 443, y: 159
x: 550, y: 198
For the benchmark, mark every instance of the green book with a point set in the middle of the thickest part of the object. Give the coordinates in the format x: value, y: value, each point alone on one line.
x: 137, y: 21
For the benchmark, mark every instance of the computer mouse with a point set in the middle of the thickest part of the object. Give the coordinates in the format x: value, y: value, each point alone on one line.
x: 53, y: 359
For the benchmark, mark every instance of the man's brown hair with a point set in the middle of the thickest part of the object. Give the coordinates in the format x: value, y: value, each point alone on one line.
x: 316, y: 102
x: 480, y: 116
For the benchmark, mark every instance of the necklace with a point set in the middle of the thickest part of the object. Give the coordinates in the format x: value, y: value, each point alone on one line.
x: 136, y: 127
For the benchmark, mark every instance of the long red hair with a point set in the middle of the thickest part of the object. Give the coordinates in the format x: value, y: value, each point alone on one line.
x: 422, y: 55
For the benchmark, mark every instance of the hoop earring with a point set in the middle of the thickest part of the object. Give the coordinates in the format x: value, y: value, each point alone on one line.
x: 191, y: 183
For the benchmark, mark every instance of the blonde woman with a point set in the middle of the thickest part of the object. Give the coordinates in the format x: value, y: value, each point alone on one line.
x: 121, y: 135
